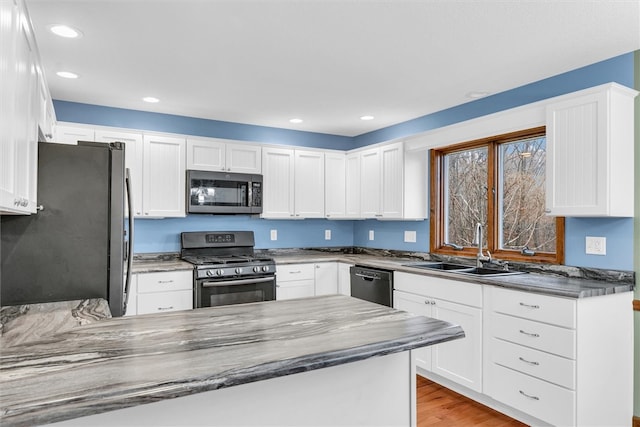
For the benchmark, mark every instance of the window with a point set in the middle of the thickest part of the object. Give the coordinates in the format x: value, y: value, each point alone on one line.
x: 499, y: 183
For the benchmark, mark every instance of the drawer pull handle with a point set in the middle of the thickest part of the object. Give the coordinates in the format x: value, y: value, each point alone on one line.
x: 165, y: 281
x: 528, y: 361
x: 529, y: 334
x: 528, y: 396
x: 295, y: 272
x: 529, y: 305
x: 165, y: 308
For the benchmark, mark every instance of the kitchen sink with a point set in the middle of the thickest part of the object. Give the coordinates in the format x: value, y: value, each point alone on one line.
x: 464, y: 269
x: 445, y: 266
x: 490, y: 272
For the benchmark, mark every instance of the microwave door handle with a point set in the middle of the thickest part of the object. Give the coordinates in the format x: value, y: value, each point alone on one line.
x: 237, y: 282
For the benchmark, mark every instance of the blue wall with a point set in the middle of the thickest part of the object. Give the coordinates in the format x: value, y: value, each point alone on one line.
x: 163, y: 235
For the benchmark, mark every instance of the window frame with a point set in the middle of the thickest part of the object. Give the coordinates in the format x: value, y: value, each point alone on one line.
x: 437, y: 202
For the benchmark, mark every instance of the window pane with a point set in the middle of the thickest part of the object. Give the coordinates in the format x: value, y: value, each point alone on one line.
x: 465, y: 195
x: 522, y: 187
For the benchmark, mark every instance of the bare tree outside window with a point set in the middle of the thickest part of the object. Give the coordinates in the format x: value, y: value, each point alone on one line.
x: 523, y: 222
x: 499, y: 182
x: 466, y: 195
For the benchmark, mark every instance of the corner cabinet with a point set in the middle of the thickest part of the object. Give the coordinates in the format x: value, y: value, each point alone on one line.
x: 163, y: 176
x: 293, y: 183
x: 590, y: 142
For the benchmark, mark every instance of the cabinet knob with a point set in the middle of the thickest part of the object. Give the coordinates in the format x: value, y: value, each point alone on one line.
x: 547, y: 211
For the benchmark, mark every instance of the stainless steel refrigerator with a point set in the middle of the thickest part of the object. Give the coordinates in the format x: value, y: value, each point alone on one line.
x: 77, y: 245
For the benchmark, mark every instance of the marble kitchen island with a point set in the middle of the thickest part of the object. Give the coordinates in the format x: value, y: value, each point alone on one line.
x: 332, y: 360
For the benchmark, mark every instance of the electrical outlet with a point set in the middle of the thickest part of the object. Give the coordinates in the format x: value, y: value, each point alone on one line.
x: 370, y: 234
x: 596, y: 245
x: 410, y: 236
x: 274, y: 234
x: 327, y: 234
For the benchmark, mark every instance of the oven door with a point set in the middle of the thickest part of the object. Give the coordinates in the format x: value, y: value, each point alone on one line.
x: 213, y: 293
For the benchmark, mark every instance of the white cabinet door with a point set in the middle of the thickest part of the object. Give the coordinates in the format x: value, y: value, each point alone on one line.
x: 133, y: 160
x: 344, y: 278
x: 391, y: 186
x: 459, y: 360
x: 589, y: 138
x: 421, y: 306
x: 295, y: 281
x: 416, y: 184
x: 68, y: 134
x: 9, y: 31
x: 370, y: 173
x: 352, y: 185
x: 244, y: 158
x: 278, y: 192
x: 335, y: 184
x: 206, y: 154
x: 163, y: 176
x: 326, y: 278
x: 309, y: 184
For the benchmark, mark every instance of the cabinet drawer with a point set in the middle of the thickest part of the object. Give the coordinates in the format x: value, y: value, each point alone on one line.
x: 290, y: 272
x: 540, y: 399
x: 165, y: 281
x: 160, y: 302
x: 540, y: 336
x: 555, y: 369
x: 437, y: 287
x: 543, y: 308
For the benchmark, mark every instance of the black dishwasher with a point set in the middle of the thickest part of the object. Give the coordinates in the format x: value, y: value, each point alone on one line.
x: 372, y: 284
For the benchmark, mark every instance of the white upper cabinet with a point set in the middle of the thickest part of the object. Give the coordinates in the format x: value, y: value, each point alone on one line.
x: 133, y: 156
x: 278, y: 170
x: 416, y: 184
x: 220, y: 155
x: 370, y: 183
x: 352, y: 185
x: 293, y: 183
x: 309, y: 184
x: 163, y: 179
x: 590, y: 153
x: 69, y: 134
x: 381, y: 182
x: 335, y: 184
x: 20, y: 98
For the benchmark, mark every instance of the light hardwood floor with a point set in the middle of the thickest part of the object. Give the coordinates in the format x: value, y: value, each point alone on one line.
x: 439, y: 407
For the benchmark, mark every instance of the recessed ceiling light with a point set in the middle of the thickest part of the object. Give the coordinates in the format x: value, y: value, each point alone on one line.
x: 295, y: 121
x: 366, y: 118
x: 67, y: 75
x: 150, y: 99
x: 477, y: 94
x: 65, y: 31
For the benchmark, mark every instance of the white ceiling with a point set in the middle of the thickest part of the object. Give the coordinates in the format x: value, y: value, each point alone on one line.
x: 328, y: 62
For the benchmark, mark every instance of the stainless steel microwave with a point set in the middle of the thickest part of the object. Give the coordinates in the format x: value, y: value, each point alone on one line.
x: 223, y: 193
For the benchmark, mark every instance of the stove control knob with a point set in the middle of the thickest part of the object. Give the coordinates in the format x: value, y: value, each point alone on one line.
x: 238, y: 270
x: 219, y: 272
x: 256, y: 269
x: 265, y: 268
x: 209, y: 273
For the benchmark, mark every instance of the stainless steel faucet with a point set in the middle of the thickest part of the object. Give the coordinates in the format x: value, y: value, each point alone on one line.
x: 481, y: 257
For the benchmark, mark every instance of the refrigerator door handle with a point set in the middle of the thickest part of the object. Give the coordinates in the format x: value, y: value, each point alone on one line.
x: 129, y: 245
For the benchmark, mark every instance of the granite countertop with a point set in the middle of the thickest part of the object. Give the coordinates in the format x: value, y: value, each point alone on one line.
x: 555, y: 280
x: 122, y: 362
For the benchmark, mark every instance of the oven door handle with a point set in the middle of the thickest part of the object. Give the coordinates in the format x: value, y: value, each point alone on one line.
x: 238, y: 282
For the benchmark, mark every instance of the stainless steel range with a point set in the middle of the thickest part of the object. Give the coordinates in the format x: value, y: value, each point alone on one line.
x: 226, y: 268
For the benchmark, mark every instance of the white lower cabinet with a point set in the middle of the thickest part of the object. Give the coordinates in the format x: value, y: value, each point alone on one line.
x: 160, y: 292
x: 563, y: 361
x: 457, y: 302
x: 295, y: 281
x: 326, y: 278
x: 306, y: 280
x: 344, y: 278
